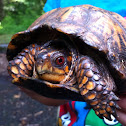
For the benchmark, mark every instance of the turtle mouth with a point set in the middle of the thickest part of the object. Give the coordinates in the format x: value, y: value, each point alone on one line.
x: 49, y: 76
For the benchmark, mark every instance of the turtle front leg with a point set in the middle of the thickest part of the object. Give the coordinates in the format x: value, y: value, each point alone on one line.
x: 96, y: 86
x: 22, y: 65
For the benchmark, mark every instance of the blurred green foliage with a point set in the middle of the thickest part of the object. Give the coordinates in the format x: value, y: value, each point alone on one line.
x: 19, y: 14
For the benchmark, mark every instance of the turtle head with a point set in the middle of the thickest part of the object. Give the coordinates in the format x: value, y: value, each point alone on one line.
x: 53, y: 63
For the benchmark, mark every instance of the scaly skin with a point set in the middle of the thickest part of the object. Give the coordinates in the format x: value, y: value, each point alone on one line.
x: 94, y: 81
x: 96, y: 87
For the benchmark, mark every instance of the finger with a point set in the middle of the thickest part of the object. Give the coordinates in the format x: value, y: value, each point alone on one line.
x: 121, y: 117
x: 122, y: 103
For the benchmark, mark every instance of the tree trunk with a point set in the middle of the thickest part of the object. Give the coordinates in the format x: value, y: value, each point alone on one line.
x: 1, y: 10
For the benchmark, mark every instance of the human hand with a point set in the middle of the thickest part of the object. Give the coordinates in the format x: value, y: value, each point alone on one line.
x: 122, y: 112
x: 42, y: 99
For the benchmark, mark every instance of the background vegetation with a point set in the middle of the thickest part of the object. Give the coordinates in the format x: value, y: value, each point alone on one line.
x: 18, y: 15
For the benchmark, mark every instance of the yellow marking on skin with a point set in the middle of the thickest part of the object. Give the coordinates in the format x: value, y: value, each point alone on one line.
x: 108, y: 109
x: 82, y: 71
x: 22, y: 72
x: 59, y: 71
x: 17, y: 61
x: 85, y: 79
x: 85, y: 91
x: 14, y: 76
x: 31, y: 57
x: 25, y: 60
x: 90, y: 85
x: 111, y: 103
x: 102, y: 111
x: 22, y: 66
x: 66, y: 69
x: 105, y: 115
x: 52, y: 77
x: 30, y: 61
x: 91, y: 96
x: 79, y: 80
x: 103, y: 106
x: 15, y: 80
x: 97, y: 107
x: 89, y: 73
x: 29, y: 67
x: 94, y: 103
x: 79, y: 67
x: 14, y: 69
x: 81, y: 85
x: 97, y: 112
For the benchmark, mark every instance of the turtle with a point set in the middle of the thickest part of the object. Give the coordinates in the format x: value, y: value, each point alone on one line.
x: 74, y: 53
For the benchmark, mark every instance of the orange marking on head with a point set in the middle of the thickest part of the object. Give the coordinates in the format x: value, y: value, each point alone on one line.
x: 69, y: 58
x: 91, y: 96
x: 66, y: 69
x: 90, y: 85
x: 14, y: 69
x: 85, y: 91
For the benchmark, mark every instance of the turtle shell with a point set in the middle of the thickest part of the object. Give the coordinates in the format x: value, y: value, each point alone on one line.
x: 91, y: 29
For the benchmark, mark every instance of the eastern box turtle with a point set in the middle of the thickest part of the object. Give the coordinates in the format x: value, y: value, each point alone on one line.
x: 74, y: 53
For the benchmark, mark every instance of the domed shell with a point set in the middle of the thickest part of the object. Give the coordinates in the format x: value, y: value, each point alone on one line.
x: 96, y: 28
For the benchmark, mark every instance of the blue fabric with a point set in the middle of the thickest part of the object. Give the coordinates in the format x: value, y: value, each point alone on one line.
x: 111, y: 5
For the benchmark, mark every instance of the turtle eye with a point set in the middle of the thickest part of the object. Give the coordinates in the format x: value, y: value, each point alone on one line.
x: 59, y: 60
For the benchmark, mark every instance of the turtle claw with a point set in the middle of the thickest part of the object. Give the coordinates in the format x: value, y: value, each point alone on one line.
x: 106, y: 108
x: 117, y: 106
x: 108, y: 116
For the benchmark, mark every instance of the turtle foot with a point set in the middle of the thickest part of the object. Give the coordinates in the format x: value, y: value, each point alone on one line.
x: 106, y: 106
